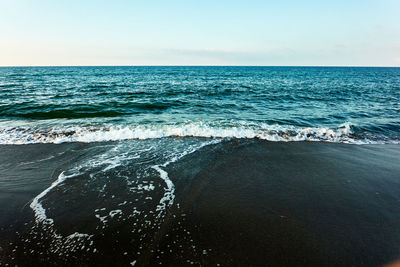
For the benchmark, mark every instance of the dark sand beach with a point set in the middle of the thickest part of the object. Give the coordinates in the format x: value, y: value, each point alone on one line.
x: 243, y: 202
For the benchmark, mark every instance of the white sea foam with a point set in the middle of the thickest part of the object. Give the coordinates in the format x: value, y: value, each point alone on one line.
x: 58, y: 244
x: 21, y: 135
x: 115, y: 212
x: 117, y: 154
x: 168, y: 199
x: 36, y: 205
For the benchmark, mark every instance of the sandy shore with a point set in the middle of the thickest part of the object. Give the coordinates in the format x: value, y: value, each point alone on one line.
x: 238, y: 203
x: 261, y: 203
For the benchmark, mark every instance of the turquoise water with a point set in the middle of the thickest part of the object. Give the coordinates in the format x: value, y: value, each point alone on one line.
x: 62, y: 104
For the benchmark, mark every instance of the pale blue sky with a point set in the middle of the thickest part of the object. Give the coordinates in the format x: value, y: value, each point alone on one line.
x: 252, y: 32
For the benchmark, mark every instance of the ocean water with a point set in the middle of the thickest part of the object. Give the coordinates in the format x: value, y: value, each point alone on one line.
x: 87, y: 104
x: 118, y: 129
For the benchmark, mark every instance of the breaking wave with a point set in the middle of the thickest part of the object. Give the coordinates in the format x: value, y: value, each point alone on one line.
x: 59, y: 134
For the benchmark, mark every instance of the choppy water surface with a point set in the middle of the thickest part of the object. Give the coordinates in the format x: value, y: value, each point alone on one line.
x: 61, y: 104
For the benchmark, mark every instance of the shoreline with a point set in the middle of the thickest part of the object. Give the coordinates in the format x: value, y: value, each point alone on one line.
x: 238, y: 202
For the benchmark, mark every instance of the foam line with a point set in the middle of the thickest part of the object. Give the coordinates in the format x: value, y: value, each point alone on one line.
x: 168, y: 199
x: 342, y: 134
x: 40, y: 212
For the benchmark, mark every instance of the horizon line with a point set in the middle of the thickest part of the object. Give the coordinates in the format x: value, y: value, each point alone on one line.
x: 163, y: 65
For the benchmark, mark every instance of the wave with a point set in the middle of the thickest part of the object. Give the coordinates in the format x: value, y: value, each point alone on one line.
x: 59, y: 134
x: 28, y: 110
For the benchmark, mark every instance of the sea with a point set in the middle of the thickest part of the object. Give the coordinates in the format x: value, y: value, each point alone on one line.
x: 87, y: 156
x: 92, y: 104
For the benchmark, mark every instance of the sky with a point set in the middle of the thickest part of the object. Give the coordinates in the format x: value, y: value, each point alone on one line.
x: 207, y: 32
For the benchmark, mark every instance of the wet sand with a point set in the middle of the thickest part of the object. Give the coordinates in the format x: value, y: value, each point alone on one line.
x: 238, y: 203
x: 293, y: 204
x: 25, y: 171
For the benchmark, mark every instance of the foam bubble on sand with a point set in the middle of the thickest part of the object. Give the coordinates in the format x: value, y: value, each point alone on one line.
x: 115, y: 212
x: 78, y: 235
x: 149, y: 187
